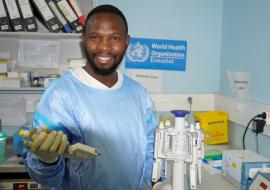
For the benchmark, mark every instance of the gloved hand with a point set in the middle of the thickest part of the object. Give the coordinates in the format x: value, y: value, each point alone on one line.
x: 46, y: 145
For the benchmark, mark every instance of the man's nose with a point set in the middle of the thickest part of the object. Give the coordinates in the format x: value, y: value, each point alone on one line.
x: 105, y: 45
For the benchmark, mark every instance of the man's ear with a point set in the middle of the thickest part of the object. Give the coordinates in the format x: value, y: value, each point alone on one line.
x: 83, y: 37
x: 128, y: 40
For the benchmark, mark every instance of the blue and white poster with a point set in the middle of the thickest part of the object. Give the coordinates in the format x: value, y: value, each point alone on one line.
x: 156, y: 54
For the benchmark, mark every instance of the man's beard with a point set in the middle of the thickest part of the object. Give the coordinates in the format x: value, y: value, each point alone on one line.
x: 103, y: 71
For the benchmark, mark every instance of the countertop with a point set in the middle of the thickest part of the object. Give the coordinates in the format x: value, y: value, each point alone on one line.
x: 13, y: 163
x: 209, y: 182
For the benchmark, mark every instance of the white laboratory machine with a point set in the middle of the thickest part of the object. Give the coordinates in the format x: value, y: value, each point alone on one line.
x: 261, y: 181
x: 181, y: 145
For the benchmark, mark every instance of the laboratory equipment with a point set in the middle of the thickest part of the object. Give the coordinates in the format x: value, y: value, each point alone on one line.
x: 76, y: 151
x: 183, y: 145
x: 261, y: 181
x: 249, y: 170
x: 22, y: 183
x: 235, y: 165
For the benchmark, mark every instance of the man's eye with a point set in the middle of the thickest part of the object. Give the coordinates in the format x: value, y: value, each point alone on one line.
x: 93, y: 38
x: 116, y: 38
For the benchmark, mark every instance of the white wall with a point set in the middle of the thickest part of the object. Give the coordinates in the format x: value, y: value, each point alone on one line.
x: 245, y: 45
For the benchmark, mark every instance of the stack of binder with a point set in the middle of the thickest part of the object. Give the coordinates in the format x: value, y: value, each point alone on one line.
x: 14, y: 15
x: 26, y: 12
x: 55, y: 15
x: 69, y: 14
x: 4, y: 20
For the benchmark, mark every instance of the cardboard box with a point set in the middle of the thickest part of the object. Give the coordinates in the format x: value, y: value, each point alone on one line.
x: 10, y: 82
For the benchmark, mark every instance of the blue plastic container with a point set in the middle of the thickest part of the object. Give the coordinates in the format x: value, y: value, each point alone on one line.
x: 3, y: 141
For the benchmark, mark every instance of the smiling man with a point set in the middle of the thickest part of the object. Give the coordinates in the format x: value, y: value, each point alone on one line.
x: 98, y: 106
x: 106, y: 40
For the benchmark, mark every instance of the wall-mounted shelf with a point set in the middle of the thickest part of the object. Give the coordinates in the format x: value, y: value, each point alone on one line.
x: 38, y: 35
x: 30, y: 90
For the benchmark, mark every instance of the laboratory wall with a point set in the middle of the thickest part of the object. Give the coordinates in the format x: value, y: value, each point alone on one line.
x: 257, y: 143
x: 221, y: 35
x: 197, y: 22
x: 246, y: 45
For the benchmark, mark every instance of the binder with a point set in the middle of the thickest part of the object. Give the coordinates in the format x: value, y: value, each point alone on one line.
x: 29, y: 21
x: 78, y: 11
x: 4, y: 20
x: 69, y: 15
x: 14, y: 16
x: 47, y: 15
x: 60, y: 17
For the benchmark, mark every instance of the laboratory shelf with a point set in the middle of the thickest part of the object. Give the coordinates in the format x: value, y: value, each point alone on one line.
x: 30, y: 90
x: 40, y: 35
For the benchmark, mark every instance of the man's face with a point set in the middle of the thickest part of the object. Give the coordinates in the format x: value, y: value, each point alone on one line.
x: 105, y: 42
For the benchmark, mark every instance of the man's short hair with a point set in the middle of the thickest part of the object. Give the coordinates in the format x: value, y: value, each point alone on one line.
x: 107, y: 9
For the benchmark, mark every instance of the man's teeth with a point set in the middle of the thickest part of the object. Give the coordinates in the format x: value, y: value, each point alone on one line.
x: 104, y: 58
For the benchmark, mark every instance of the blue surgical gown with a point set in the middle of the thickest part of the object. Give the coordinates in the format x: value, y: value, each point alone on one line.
x: 120, y: 123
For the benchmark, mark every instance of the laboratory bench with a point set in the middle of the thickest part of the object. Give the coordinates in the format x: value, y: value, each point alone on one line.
x: 13, y: 163
x: 217, y: 181
x: 13, y: 174
x: 209, y: 182
x: 211, y: 179
x: 213, y: 182
x: 14, y: 169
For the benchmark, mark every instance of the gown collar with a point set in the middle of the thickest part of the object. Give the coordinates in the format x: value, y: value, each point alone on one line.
x: 80, y: 74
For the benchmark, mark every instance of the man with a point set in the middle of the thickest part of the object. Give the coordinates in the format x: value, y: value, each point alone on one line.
x: 98, y: 106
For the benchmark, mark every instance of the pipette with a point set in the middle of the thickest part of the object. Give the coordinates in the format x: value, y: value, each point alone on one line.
x: 76, y: 151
